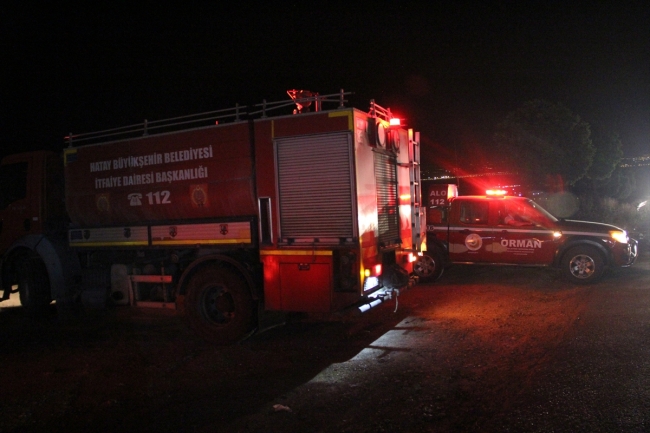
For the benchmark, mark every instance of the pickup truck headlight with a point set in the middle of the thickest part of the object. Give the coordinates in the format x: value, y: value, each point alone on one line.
x: 619, y: 236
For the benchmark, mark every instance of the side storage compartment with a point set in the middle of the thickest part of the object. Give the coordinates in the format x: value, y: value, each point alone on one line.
x: 299, y: 282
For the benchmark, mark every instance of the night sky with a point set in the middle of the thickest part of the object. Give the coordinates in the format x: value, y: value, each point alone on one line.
x: 453, y: 70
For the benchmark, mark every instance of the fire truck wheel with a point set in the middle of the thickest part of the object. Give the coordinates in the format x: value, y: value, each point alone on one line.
x: 33, y: 283
x: 218, y: 305
x: 428, y: 267
x: 583, y: 265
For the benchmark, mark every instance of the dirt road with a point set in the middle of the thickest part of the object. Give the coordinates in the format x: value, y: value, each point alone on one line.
x: 483, y: 349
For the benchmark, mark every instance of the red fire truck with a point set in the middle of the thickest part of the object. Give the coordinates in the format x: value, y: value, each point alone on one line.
x: 310, y: 211
x: 506, y: 230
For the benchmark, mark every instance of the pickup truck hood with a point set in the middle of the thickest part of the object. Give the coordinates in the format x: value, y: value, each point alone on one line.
x: 586, y: 226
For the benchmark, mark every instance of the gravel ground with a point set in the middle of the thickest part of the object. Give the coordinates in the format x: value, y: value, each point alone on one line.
x: 481, y: 350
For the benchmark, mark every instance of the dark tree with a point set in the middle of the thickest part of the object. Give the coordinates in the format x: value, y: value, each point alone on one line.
x: 609, y: 152
x: 600, y: 180
x: 620, y: 185
x: 543, y: 141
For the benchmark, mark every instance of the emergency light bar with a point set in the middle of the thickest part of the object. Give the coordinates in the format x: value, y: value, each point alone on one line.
x: 496, y: 192
x: 394, y: 121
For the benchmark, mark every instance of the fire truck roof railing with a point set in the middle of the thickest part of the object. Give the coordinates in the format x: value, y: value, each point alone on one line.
x: 238, y: 113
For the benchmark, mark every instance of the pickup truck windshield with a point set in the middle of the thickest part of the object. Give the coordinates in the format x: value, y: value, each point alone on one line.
x: 524, y: 212
x: 541, y: 211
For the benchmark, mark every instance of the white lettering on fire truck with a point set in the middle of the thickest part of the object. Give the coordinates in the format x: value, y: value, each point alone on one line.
x: 137, y: 161
x: 138, y: 179
x: 437, y: 197
x: 157, y: 197
x: 521, y: 243
x: 152, y: 177
x: 170, y: 176
x: 100, y: 166
x: 176, y: 175
x: 152, y: 159
x: 189, y: 155
x: 108, y: 182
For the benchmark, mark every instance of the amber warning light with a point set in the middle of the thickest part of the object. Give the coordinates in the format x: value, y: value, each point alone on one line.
x: 374, y: 272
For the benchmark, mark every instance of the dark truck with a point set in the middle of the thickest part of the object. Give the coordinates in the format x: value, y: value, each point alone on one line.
x: 508, y: 230
x: 227, y: 217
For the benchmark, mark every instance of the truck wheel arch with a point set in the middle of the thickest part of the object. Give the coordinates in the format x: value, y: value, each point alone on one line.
x: 216, y: 298
x: 61, y: 266
x: 215, y: 259
x: 31, y: 277
x: 605, y: 254
x: 433, y: 243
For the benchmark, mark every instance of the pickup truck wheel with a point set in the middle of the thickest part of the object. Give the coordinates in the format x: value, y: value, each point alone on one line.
x: 428, y: 266
x: 218, y: 305
x: 33, y: 284
x: 583, y: 265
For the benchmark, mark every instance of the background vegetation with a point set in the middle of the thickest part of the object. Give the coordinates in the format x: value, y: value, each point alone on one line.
x: 575, y: 164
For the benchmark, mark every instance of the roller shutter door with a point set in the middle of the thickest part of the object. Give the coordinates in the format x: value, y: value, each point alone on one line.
x: 316, y: 188
x: 387, y: 205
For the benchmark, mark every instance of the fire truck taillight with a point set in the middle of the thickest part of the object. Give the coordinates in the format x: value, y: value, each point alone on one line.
x: 410, y: 258
x: 371, y: 280
x: 394, y: 121
x: 374, y: 271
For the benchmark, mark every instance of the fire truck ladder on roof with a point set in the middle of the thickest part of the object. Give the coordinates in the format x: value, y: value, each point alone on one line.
x: 416, y: 188
x: 380, y: 112
x: 300, y: 98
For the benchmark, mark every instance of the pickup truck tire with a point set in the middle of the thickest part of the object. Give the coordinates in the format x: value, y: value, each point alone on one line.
x: 33, y: 284
x: 582, y: 265
x: 218, y: 305
x: 428, y: 266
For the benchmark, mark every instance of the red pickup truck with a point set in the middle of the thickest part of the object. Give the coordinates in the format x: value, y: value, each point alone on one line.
x: 508, y: 230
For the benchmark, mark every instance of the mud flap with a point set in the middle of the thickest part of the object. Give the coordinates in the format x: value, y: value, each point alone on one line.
x: 396, y: 278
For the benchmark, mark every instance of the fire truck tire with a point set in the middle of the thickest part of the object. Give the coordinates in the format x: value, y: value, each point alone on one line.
x: 218, y: 305
x: 428, y: 267
x: 583, y: 265
x: 33, y: 283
